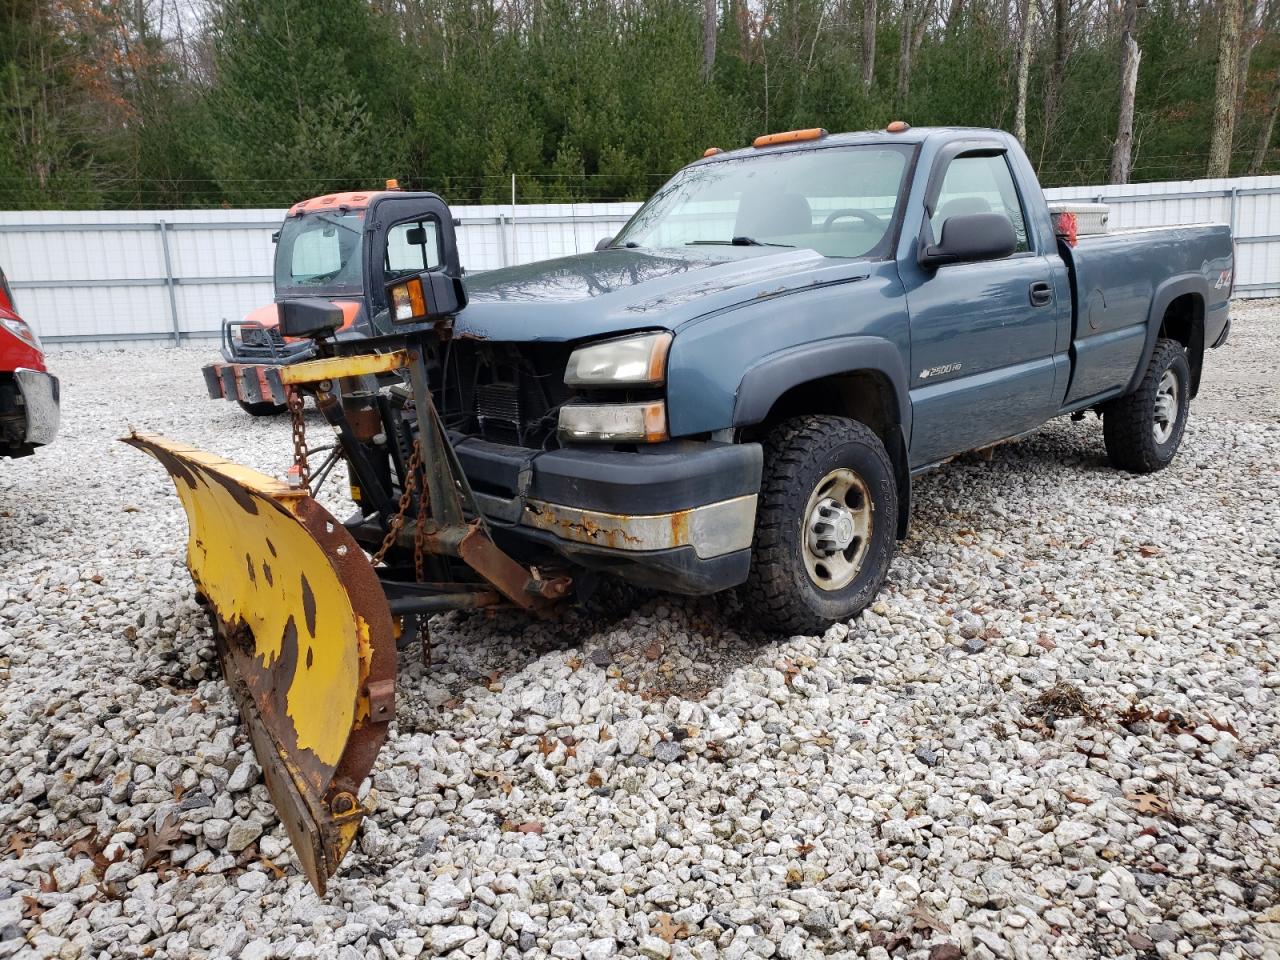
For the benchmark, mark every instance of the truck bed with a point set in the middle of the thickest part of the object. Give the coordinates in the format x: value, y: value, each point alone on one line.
x: 1114, y: 281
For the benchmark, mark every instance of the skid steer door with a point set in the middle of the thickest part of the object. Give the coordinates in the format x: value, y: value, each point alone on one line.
x: 405, y: 235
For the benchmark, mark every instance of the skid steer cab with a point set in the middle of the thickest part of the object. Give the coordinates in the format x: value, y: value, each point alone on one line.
x: 307, y: 609
x: 319, y: 255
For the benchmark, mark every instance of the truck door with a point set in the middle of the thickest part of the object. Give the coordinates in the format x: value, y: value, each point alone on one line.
x: 983, y: 334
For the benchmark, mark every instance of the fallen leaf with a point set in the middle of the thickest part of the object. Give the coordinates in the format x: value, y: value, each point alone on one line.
x: 159, y: 840
x: 19, y: 842
x: 1076, y: 797
x: 654, y: 650
x: 804, y: 849
x: 1045, y: 642
x: 1149, y: 803
x: 1149, y: 551
x: 531, y: 826
x: 945, y: 951
x: 546, y: 746
x: 275, y: 868
x: 594, y: 779
x: 31, y: 909
x: 86, y: 847
x: 130, y: 509
x: 925, y: 918
x: 195, y: 706
x: 669, y: 930
x: 574, y: 663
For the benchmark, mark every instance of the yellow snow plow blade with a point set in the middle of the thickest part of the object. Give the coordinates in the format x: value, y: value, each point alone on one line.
x: 304, y: 635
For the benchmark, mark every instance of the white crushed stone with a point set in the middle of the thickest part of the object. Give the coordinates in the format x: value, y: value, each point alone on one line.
x: 1056, y: 734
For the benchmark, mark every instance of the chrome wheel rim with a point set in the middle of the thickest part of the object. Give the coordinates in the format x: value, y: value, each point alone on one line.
x: 837, y: 529
x: 1166, y: 412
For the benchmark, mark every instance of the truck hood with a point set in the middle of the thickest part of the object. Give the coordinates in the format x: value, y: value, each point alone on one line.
x: 616, y: 290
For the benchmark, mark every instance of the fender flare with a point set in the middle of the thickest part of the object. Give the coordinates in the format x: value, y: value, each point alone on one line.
x: 1164, y: 295
x: 767, y: 380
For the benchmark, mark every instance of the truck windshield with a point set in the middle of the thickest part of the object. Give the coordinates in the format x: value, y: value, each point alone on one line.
x: 319, y: 254
x: 838, y: 201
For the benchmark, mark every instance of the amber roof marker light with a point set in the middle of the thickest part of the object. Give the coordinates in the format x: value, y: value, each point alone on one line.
x: 790, y: 136
x: 898, y: 126
x: 711, y: 151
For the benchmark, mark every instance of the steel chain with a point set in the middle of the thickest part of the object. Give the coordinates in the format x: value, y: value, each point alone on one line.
x: 295, y: 403
x: 402, y: 508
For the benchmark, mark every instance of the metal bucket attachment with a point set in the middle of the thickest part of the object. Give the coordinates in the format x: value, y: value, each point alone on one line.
x: 304, y: 635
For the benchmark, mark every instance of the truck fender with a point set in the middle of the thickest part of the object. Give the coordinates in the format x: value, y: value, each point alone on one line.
x: 767, y: 380
x: 1165, y: 294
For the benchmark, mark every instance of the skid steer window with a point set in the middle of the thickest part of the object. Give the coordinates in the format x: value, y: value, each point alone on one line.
x: 412, y: 247
x: 319, y: 254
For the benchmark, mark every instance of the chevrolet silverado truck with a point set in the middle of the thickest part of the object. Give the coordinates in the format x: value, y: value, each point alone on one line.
x: 736, y: 390
x: 29, y: 410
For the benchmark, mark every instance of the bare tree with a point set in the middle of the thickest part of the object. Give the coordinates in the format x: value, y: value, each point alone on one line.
x: 1268, y: 128
x: 1130, y: 57
x: 915, y: 20
x: 1025, y: 12
x: 868, y: 44
x: 1058, y: 68
x: 709, y: 11
x: 1224, y: 98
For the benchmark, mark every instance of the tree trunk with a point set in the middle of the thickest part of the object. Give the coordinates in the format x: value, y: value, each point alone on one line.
x: 1053, y: 83
x: 868, y: 44
x: 1250, y: 34
x: 904, y: 56
x: 1024, y: 69
x: 1268, y: 128
x: 710, y: 9
x: 1224, y: 98
x: 1130, y: 56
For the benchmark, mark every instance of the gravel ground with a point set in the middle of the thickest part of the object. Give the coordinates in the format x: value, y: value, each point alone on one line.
x: 1056, y: 734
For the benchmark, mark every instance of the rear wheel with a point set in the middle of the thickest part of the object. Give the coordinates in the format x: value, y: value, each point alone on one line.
x: 1143, y: 430
x: 264, y: 409
x: 824, y: 525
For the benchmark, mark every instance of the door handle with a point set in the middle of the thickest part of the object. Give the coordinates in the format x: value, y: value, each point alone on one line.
x: 1041, y: 294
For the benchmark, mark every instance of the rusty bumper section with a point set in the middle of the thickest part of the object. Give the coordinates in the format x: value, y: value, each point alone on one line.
x: 713, y: 529
x: 246, y: 382
x: 305, y: 637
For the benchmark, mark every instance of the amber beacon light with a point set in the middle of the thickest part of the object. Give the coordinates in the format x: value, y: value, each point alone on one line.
x: 791, y: 136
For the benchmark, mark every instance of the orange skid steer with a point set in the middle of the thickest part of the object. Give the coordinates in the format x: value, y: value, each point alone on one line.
x: 307, y: 609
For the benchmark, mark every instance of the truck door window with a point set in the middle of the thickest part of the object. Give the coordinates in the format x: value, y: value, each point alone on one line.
x: 979, y: 184
x: 412, y: 247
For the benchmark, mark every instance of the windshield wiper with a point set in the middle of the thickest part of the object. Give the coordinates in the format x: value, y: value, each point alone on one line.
x: 740, y: 242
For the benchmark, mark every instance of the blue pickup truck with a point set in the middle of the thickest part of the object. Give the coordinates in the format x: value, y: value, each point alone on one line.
x: 736, y: 390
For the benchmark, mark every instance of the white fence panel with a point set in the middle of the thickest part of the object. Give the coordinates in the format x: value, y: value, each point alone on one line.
x: 1250, y: 204
x: 109, y: 275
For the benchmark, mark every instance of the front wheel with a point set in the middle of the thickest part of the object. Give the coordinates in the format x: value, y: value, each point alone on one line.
x: 1142, y: 431
x: 825, y: 525
x: 264, y: 409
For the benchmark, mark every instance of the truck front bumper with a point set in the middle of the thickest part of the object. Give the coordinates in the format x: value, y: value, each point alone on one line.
x: 31, y: 414
x: 677, y: 516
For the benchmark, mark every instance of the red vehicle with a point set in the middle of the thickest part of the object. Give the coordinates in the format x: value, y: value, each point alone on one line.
x: 318, y: 255
x: 28, y: 392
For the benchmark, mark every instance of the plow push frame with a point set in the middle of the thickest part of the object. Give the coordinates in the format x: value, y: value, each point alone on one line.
x: 307, y: 626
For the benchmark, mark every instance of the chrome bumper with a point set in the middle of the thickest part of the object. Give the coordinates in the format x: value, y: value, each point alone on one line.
x: 40, y: 395
x: 713, y: 529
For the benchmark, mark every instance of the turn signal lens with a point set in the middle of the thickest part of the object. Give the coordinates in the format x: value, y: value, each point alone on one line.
x: 614, y: 422
x: 408, y: 302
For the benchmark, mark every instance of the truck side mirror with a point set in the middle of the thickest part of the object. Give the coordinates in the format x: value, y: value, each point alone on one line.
x: 971, y: 237
x: 308, y: 317
x: 603, y: 243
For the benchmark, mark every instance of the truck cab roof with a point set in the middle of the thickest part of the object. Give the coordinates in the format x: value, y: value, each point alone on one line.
x: 350, y: 200
x: 912, y: 135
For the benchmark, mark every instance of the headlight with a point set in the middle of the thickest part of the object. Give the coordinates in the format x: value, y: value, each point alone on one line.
x: 23, y: 332
x: 630, y: 361
x: 614, y: 422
